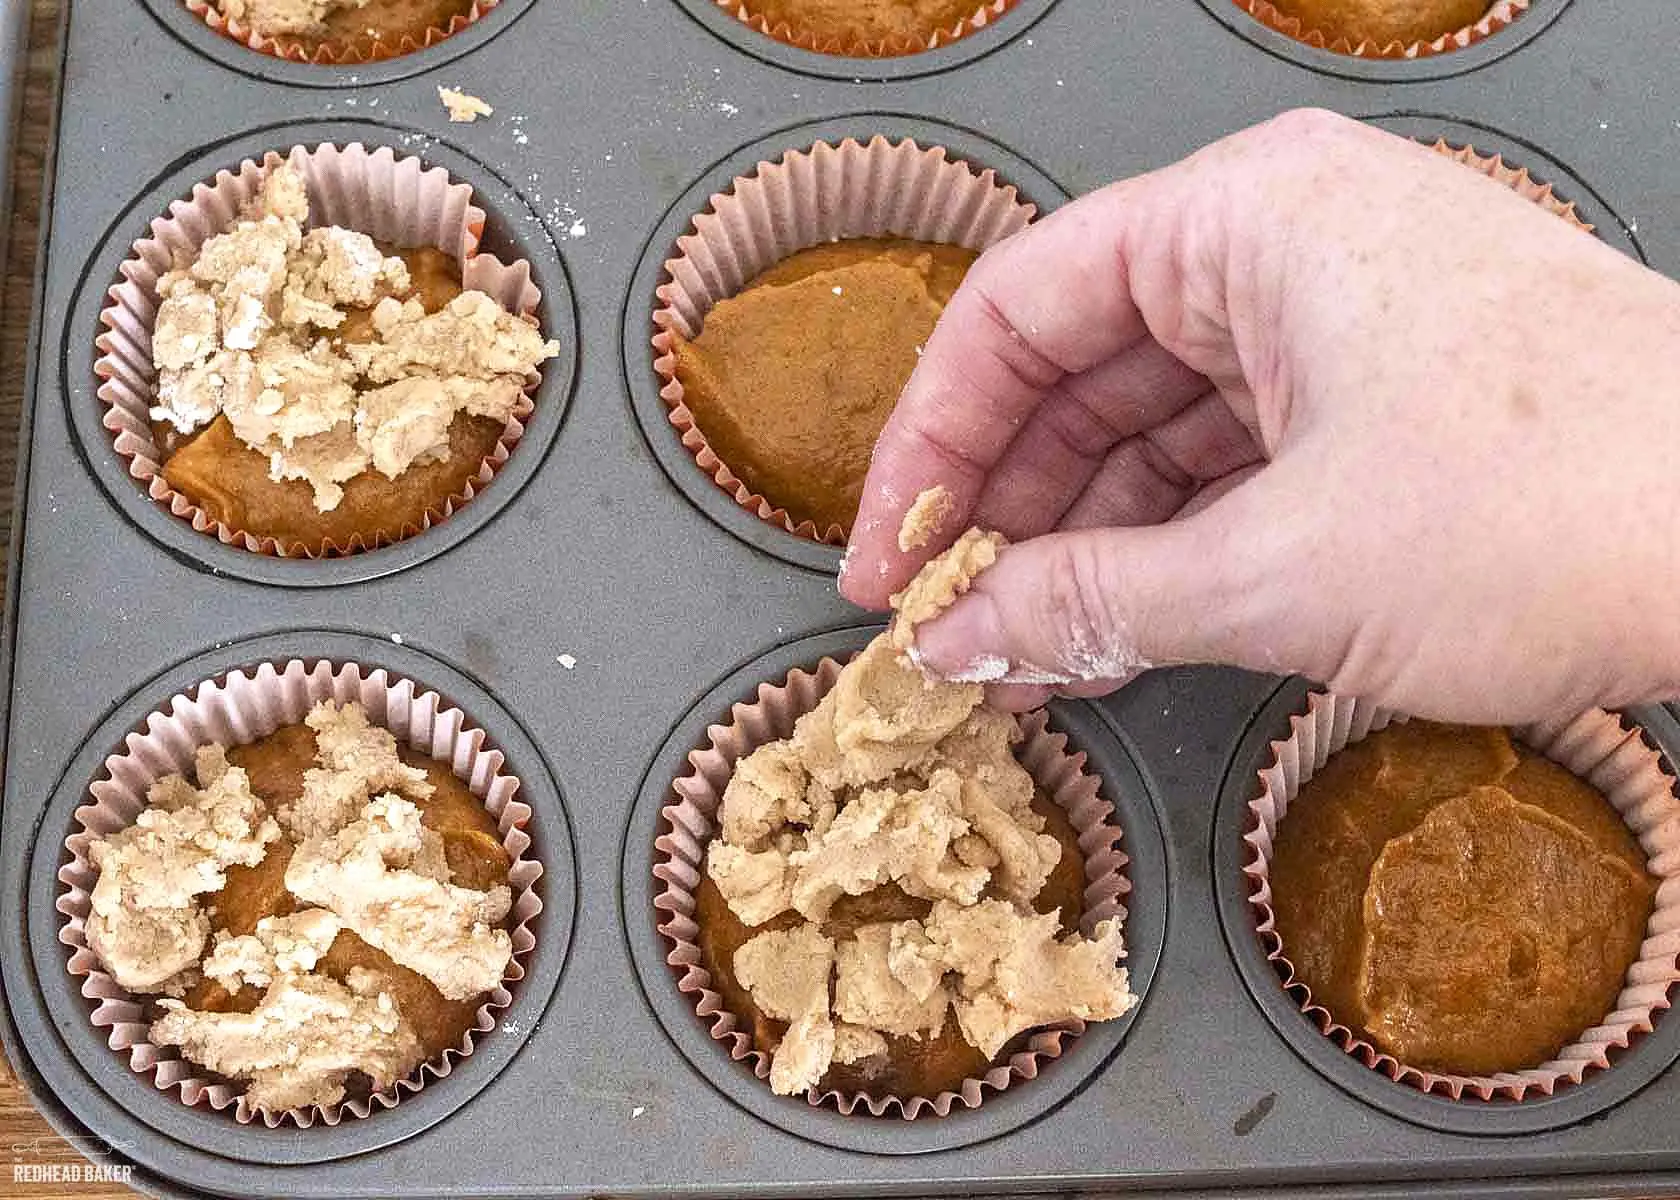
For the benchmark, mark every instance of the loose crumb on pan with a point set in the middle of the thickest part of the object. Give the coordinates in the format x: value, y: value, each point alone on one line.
x: 898, y: 779
x: 463, y: 106
x: 925, y: 515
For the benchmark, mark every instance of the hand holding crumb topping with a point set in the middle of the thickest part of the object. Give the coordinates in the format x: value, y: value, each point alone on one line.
x: 275, y: 18
x: 1228, y: 412
x: 249, y: 329
x: 900, y: 783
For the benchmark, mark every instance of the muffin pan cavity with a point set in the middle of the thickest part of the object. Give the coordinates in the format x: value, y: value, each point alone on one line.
x: 720, y: 18
x: 511, y: 232
x: 1418, y: 68
x: 1647, y: 1057
x: 653, y: 413
x: 999, y: 1112
x: 194, y: 31
x: 144, y: 1096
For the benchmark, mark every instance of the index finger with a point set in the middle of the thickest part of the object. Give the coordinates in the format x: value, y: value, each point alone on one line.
x: 1050, y: 301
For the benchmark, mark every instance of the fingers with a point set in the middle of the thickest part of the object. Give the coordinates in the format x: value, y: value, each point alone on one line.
x: 1092, y: 608
x: 1049, y: 302
x: 1064, y: 442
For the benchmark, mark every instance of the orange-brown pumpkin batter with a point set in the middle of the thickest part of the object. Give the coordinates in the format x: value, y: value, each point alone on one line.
x: 792, y: 379
x: 375, y: 29
x: 852, y: 23
x: 230, y: 480
x: 1468, y: 905
x: 913, y: 1067
x: 472, y: 847
x: 1382, y: 22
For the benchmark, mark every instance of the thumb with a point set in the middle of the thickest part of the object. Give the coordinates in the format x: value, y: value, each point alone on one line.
x: 1107, y: 604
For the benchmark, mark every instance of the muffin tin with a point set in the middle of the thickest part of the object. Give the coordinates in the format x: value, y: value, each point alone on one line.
x: 603, y: 601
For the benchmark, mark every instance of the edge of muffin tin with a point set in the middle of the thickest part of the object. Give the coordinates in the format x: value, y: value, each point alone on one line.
x: 512, y: 229
x: 642, y: 383
x: 1629, y: 1071
x: 194, y: 33
x: 1489, y: 50
x: 1426, y: 127
x: 64, y: 1010
x: 1123, y: 784
x: 996, y: 34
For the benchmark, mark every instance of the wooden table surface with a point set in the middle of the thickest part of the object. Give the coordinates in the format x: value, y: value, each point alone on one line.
x: 27, y: 1142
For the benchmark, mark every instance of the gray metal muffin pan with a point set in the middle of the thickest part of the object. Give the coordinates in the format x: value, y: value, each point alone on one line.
x: 602, y: 545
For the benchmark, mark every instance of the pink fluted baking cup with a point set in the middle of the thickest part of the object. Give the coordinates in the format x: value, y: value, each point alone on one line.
x: 330, y: 54
x: 891, y: 46
x: 681, y: 857
x: 805, y: 198
x: 397, y: 200
x: 1599, y: 748
x: 1516, y: 178
x: 1498, y: 16
x: 237, y: 709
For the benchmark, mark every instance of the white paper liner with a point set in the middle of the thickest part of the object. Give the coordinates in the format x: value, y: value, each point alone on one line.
x: 1599, y: 748
x: 805, y: 198
x: 236, y: 710
x: 1499, y: 15
x: 891, y: 46
x: 393, y: 199
x: 328, y: 54
x: 681, y: 856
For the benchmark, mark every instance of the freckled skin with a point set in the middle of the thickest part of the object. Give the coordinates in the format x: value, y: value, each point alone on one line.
x: 1353, y: 311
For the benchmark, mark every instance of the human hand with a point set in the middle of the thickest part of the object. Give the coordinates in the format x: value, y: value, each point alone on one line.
x: 1314, y: 400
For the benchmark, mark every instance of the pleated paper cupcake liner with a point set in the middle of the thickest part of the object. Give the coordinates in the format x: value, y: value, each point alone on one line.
x: 357, y: 50
x: 236, y: 710
x: 396, y: 200
x: 690, y: 822
x: 891, y: 46
x: 1598, y: 747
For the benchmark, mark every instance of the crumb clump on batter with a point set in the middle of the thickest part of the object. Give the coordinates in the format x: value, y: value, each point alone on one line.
x: 898, y: 780
x: 247, y: 330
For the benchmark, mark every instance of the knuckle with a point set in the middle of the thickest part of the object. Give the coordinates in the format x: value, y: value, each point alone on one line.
x: 1080, y: 620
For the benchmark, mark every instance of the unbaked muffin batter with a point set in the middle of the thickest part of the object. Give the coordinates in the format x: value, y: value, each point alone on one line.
x: 792, y: 379
x: 1468, y: 905
x: 314, y: 914
x: 1384, y: 21
x: 854, y: 21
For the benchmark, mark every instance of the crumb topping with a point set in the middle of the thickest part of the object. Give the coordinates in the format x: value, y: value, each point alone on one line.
x: 898, y: 779
x: 301, y: 1042
x: 361, y: 861
x: 937, y: 586
x: 927, y: 512
x: 247, y: 330
x: 463, y: 106
x: 146, y: 921
x: 280, y: 18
